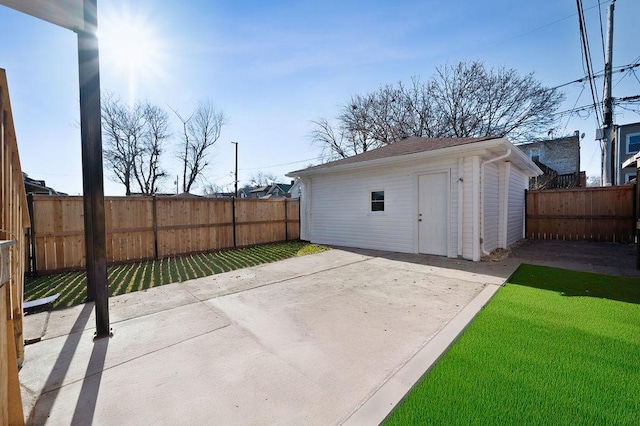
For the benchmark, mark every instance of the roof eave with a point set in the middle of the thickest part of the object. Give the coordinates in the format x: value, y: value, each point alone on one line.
x: 526, y: 164
x: 476, y: 146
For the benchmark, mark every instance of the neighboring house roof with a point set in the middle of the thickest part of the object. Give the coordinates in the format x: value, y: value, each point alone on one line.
x: 33, y: 186
x: 284, y: 187
x: 220, y: 195
x: 187, y: 195
x: 260, y: 189
x: 244, y: 192
x: 555, y: 140
x: 417, y: 148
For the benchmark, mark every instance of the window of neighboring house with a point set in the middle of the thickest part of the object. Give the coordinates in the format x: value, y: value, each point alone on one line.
x: 633, y: 143
x: 377, y: 201
x: 629, y: 176
x: 535, y: 154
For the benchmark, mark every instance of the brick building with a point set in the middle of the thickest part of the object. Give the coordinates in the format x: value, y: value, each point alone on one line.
x: 559, y: 159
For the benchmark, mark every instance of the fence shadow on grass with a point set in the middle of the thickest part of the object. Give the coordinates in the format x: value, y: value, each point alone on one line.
x: 574, y: 283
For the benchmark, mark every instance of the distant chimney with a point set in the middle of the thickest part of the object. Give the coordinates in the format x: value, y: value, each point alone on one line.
x: 576, y: 133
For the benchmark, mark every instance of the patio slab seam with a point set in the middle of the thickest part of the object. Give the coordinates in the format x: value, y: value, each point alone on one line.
x: 284, y: 280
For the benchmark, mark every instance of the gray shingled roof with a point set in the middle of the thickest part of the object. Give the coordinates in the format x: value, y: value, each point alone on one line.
x: 407, y: 146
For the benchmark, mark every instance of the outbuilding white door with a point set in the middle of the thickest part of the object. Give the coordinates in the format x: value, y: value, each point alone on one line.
x: 433, y: 202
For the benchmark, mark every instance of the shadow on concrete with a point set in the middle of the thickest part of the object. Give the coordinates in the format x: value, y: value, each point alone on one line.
x: 498, y: 268
x: 54, y: 381
x: 602, y: 258
x: 576, y: 283
x: 616, y: 255
x: 86, y: 405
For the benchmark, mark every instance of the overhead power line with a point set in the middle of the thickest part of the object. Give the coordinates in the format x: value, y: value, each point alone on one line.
x: 623, y: 68
x: 601, y: 29
x: 616, y: 101
x: 584, y: 38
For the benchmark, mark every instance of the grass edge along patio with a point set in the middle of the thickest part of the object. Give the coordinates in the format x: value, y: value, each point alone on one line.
x: 552, y: 347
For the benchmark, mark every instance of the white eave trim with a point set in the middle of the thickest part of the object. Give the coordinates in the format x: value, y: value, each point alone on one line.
x: 477, y: 148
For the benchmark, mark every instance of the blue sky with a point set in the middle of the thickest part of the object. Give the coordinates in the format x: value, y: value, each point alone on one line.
x: 272, y: 67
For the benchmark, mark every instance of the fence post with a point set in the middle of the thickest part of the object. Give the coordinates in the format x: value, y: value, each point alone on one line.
x: 636, y: 213
x: 233, y: 220
x: 31, y: 243
x: 286, y: 221
x: 526, y: 214
x: 155, y: 227
x: 300, y: 217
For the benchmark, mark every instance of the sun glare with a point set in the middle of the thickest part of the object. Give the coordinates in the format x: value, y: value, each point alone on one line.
x: 130, y: 46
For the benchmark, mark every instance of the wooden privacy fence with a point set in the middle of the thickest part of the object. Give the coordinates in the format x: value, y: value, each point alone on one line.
x: 14, y: 221
x: 140, y: 228
x: 587, y: 214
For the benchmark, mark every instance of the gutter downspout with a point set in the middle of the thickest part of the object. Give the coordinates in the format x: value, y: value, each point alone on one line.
x: 484, y: 163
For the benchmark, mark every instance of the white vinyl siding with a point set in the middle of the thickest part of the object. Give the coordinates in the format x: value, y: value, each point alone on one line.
x: 336, y: 205
x: 453, y: 211
x: 343, y: 217
x: 305, y: 208
x: 470, y: 221
x: 341, y: 204
x: 503, y: 212
x: 490, y: 207
x: 518, y: 182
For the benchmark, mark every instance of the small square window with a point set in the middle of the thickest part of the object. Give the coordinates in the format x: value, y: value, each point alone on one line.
x: 633, y: 143
x: 377, y: 201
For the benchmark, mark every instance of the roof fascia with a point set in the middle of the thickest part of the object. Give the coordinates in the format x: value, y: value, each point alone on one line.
x: 476, y: 148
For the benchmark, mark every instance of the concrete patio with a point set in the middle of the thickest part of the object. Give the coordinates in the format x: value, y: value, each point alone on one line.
x: 329, y: 338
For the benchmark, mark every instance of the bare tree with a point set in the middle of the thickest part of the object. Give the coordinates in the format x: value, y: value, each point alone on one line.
x: 476, y: 101
x: 134, y: 138
x: 594, y: 181
x: 215, y: 189
x: 199, y: 132
x: 263, y: 178
x: 147, y: 169
x: 122, y: 130
x: 465, y: 100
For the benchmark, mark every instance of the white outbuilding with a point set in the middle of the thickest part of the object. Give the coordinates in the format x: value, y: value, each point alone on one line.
x: 455, y: 197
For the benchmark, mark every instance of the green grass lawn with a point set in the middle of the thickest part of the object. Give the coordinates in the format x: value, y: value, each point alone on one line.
x: 72, y: 286
x: 552, y: 347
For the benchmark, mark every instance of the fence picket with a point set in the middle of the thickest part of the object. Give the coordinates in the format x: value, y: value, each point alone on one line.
x: 585, y: 214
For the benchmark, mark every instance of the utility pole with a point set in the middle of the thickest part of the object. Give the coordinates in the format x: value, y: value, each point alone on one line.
x: 608, y: 168
x: 236, y: 175
x: 235, y: 194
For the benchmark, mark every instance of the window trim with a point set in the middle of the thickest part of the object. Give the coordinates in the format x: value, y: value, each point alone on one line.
x: 628, y: 140
x: 371, y: 201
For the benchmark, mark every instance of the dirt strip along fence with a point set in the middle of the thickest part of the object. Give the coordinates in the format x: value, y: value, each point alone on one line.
x: 586, y: 214
x: 143, y: 228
